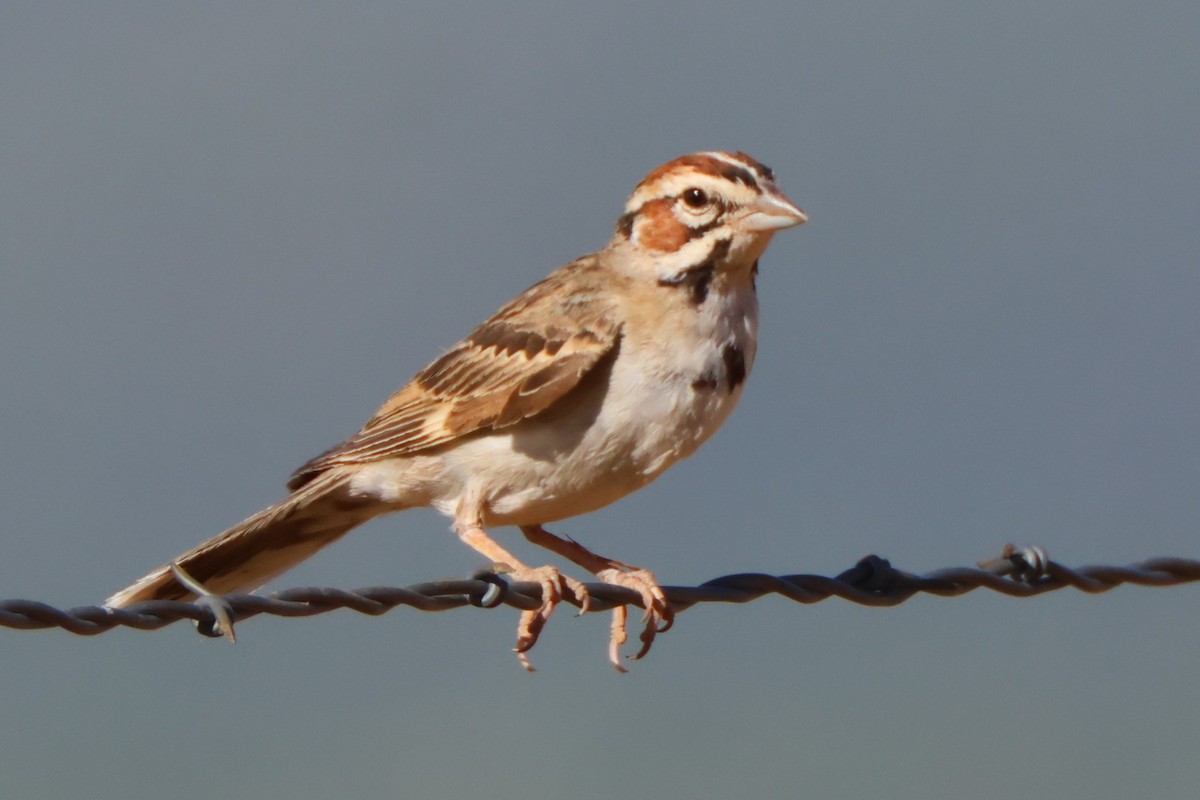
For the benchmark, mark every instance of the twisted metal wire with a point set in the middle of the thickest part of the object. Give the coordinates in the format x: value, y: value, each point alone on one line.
x: 1018, y: 572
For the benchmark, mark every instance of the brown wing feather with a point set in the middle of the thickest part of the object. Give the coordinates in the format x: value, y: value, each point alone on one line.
x: 517, y: 364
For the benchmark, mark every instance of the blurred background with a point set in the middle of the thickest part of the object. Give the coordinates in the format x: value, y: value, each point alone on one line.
x: 228, y: 232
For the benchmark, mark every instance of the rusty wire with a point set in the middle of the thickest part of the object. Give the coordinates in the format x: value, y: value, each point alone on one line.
x: 1019, y: 572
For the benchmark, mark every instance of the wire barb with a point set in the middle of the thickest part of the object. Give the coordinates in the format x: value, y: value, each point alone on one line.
x: 873, y: 581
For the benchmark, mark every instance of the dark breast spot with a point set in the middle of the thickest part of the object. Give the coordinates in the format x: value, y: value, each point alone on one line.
x: 735, y: 365
x: 731, y: 372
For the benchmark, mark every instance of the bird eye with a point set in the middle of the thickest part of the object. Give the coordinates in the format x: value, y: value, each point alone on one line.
x: 695, y: 198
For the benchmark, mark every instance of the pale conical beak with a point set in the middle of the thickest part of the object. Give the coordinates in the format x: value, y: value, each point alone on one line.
x: 771, y: 212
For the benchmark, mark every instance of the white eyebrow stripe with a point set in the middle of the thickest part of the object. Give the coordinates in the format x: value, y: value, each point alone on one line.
x: 738, y: 164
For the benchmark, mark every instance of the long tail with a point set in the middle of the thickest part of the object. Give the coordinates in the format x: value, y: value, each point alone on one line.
x: 254, y: 551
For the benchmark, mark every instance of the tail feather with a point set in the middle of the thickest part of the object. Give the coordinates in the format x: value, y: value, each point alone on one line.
x: 256, y: 550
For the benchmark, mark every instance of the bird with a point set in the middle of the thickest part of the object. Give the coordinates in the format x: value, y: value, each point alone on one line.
x: 581, y: 389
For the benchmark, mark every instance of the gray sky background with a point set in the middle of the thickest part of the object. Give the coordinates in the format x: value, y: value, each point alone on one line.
x: 227, y: 232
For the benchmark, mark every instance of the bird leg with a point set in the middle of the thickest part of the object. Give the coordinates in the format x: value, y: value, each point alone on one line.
x: 658, y: 616
x: 555, y: 586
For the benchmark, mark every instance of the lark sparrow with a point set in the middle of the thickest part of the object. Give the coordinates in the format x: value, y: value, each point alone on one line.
x: 580, y: 390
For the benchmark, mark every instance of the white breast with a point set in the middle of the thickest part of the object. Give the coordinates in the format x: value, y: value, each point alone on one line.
x: 660, y: 399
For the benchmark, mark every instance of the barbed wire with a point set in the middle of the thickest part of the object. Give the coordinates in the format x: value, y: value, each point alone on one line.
x: 873, y: 581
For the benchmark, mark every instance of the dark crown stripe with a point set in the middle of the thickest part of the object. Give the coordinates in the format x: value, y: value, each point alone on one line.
x: 737, y: 174
x: 759, y: 167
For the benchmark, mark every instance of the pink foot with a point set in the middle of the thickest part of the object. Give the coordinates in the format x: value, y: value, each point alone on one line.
x: 555, y: 586
x: 657, y: 618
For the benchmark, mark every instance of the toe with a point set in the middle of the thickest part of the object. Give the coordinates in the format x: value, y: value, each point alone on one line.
x: 658, y: 615
x: 617, y: 637
x: 579, y: 594
x: 555, y: 586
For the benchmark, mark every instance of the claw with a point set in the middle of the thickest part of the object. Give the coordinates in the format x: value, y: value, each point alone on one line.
x: 657, y: 617
x: 554, y: 586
